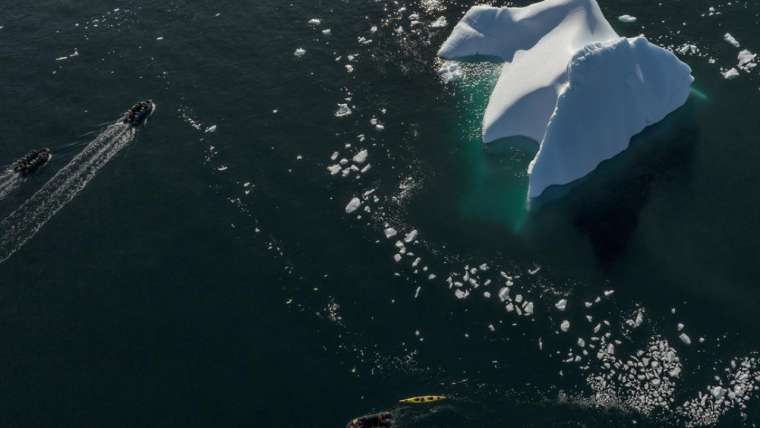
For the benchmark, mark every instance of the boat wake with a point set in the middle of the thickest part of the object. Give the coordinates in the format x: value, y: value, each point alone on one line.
x: 9, y: 181
x: 24, y: 222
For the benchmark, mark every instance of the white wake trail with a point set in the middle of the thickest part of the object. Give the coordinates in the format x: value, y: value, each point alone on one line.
x: 23, y: 223
x: 9, y: 181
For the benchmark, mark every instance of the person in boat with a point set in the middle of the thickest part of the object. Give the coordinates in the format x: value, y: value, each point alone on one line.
x: 31, y: 161
x: 377, y: 420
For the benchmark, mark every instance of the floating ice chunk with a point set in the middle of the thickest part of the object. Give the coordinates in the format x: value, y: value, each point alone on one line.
x: 730, y: 74
x: 504, y: 294
x: 334, y: 169
x: 450, y: 71
x: 353, y: 205
x: 159, y: 38
x: 397, y: 258
x: 211, y: 129
x: 528, y: 308
x: 731, y: 40
x: 569, y: 82
x: 361, y: 157
x: 461, y: 294
x: 439, y: 23
x: 349, y: 68
x: 315, y: 21
x: 564, y: 326
x: 299, y: 52
x: 685, y: 339
x: 411, y: 236
x: 747, y: 60
x: 327, y: 31
x: 561, y: 305
x: 343, y: 110
x: 390, y: 232
x: 627, y: 18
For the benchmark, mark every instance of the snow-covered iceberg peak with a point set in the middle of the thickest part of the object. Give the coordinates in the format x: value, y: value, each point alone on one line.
x: 569, y: 82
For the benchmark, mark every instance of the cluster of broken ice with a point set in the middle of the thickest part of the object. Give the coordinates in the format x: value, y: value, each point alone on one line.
x: 569, y: 82
x: 733, y: 392
x: 643, y: 382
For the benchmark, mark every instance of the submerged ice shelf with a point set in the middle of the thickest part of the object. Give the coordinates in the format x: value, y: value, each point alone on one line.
x: 569, y: 82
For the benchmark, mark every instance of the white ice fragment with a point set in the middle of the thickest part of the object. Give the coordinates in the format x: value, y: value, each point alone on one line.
x: 334, y: 169
x: 397, y: 258
x: 349, y: 68
x: 608, y: 293
x: 561, y: 305
x: 390, y: 232
x: 299, y: 52
x: 439, y: 23
x: 730, y: 74
x: 528, y: 308
x: 680, y: 326
x: 343, y: 110
x: 564, y: 326
x: 461, y: 294
x: 449, y: 71
x: 417, y: 292
x: 731, y: 40
x: 685, y: 339
x: 353, y: 205
x: 504, y: 294
x: 314, y: 21
x: 627, y: 19
x: 411, y: 236
x: 361, y: 157
x: 327, y: 31
x: 159, y: 38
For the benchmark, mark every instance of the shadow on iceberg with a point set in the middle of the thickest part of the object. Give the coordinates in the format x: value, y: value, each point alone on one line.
x: 604, y: 206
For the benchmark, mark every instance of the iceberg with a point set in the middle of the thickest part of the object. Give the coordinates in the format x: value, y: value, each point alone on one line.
x: 569, y: 82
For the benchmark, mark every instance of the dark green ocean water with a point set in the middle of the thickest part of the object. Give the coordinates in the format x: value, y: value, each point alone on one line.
x: 214, y: 279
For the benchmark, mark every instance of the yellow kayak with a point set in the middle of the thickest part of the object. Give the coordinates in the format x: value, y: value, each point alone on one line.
x: 423, y: 399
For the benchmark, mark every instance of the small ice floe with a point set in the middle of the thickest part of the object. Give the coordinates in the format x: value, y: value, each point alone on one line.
x: 222, y: 168
x: 334, y: 169
x: 314, y: 21
x: 343, y: 110
x: 159, y: 38
x: 411, y: 236
x: 565, y: 326
x: 504, y: 294
x: 397, y: 258
x: 461, y: 294
x: 353, y: 205
x: 299, y: 52
x: 685, y: 338
x: 363, y: 40
x: 561, y: 305
x: 534, y: 271
x: 390, y: 232
x: 449, y: 71
x: 210, y: 130
x: 747, y: 60
x: 730, y: 74
x: 628, y: 19
x: 680, y: 326
x: 528, y: 308
x: 349, y: 68
x: 731, y: 40
x: 327, y: 32
x: 441, y: 22
x: 361, y: 157
x: 608, y: 293
x: 417, y: 292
